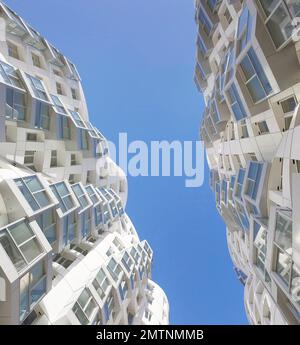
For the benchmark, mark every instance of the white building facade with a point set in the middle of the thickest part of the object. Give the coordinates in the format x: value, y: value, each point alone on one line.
x: 69, y: 254
x: 248, y: 70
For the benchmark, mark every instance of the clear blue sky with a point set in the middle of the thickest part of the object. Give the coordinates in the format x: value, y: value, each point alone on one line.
x: 136, y: 59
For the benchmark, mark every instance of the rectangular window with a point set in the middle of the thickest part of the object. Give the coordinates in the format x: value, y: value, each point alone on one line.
x: 63, y: 195
x: 114, y: 269
x: 64, y: 127
x: 47, y: 223
x: 10, y: 76
x: 204, y: 22
x: 36, y: 60
x: 38, y: 88
x: 236, y: 103
x: 59, y: 89
x: 244, y: 129
x: 29, y: 160
x: 101, y: 283
x: 13, y: 50
x: 73, y: 159
x: 288, y: 105
x: 263, y: 127
x: 253, y: 179
x: 58, y: 106
x: 42, y: 115
x: 20, y: 244
x: 80, y: 196
x: 240, y: 182
x: 31, y: 137
x: 53, y: 162
x: 255, y: 78
x: 127, y: 262
x: 74, y: 93
x: 33, y: 191
x: 32, y: 289
x: 85, y: 308
x: 279, y: 18
x: 57, y: 73
x: 69, y: 228
x: 244, y: 30
x: 15, y: 107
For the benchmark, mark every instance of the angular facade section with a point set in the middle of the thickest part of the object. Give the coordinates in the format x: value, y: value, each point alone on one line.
x: 247, y: 69
x: 69, y: 254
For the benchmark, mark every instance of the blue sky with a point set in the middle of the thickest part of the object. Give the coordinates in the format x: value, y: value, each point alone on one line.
x: 136, y: 60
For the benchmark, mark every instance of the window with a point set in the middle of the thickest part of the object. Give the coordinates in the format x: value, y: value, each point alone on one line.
x: 71, y: 178
x: 73, y: 159
x: 36, y: 60
x: 47, y: 223
x: 148, y: 315
x: 127, y: 262
x: 254, y: 77
x: 38, y: 88
x: 61, y: 260
x: 31, y: 137
x: 244, y: 30
x: 204, y: 22
x: 12, y: 50
x: 283, y: 230
x: 240, y: 181
x: 263, y: 127
x: 253, y: 179
x: 236, y: 103
x: 118, y: 244
x: 201, y: 45
x: 32, y: 289
x: 252, y: 156
x: 42, y: 115
x: 85, y: 223
x: 57, y: 73
x: 279, y: 17
x: 63, y: 127
x: 69, y: 228
x: 244, y: 129
x: 77, y: 119
x: 85, y: 308
x: 288, y: 105
x: 80, y: 195
x: 53, y: 162
x: 109, y: 307
x: 134, y: 253
x: 10, y: 75
x: 74, y: 93
x: 63, y: 195
x: 29, y: 159
x: 101, y: 283
x: 15, y: 107
x: 114, y: 269
x: 20, y: 244
x: 92, y: 194
x: 58, y: 106
x: 33, y: 191
x: 59, y: 89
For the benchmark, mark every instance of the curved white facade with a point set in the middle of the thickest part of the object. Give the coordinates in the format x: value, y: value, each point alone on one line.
x: 247, y: 68
x: 69, y: 254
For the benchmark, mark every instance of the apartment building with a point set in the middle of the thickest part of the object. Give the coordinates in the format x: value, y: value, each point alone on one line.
x: 247, y: 70
x: 69, y: 254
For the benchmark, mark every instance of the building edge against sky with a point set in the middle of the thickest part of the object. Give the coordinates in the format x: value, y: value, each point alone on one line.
x: 69, y: 254
x: 247, y: 69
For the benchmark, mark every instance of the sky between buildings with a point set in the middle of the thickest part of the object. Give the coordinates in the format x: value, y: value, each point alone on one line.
x: 136, y: 60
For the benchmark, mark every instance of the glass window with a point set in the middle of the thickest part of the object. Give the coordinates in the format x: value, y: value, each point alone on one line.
x: 288, y: 105
x: 47, y: 223
x: 236, y: 103
x: 85, y: 308
x: 33, y: 192
x: 12, y: 50
x: 77, y: 119
x: 253, y: 179
x: 101, y: 283
x: 80, y: 195
x: 263, y: 127
x: 244, y: 30
x: 204, y: 22
x: 36, y: 60
x: 32, y: 289
x: 59, y: 89
x: 127, y: 262
x: 114, y: 269
x: 20, y: 244
x: 279, y: 18
x: 283, y: 231
x: 63, y: 195
x: 15, y: 107
x: 240, y: 181
x: 63, y: 127
x: 58, y: 106
x: 255, y: 78
x: 38, y: 88
x: 10, y: 76
x: 74, y: 93
x: 42, y: 115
